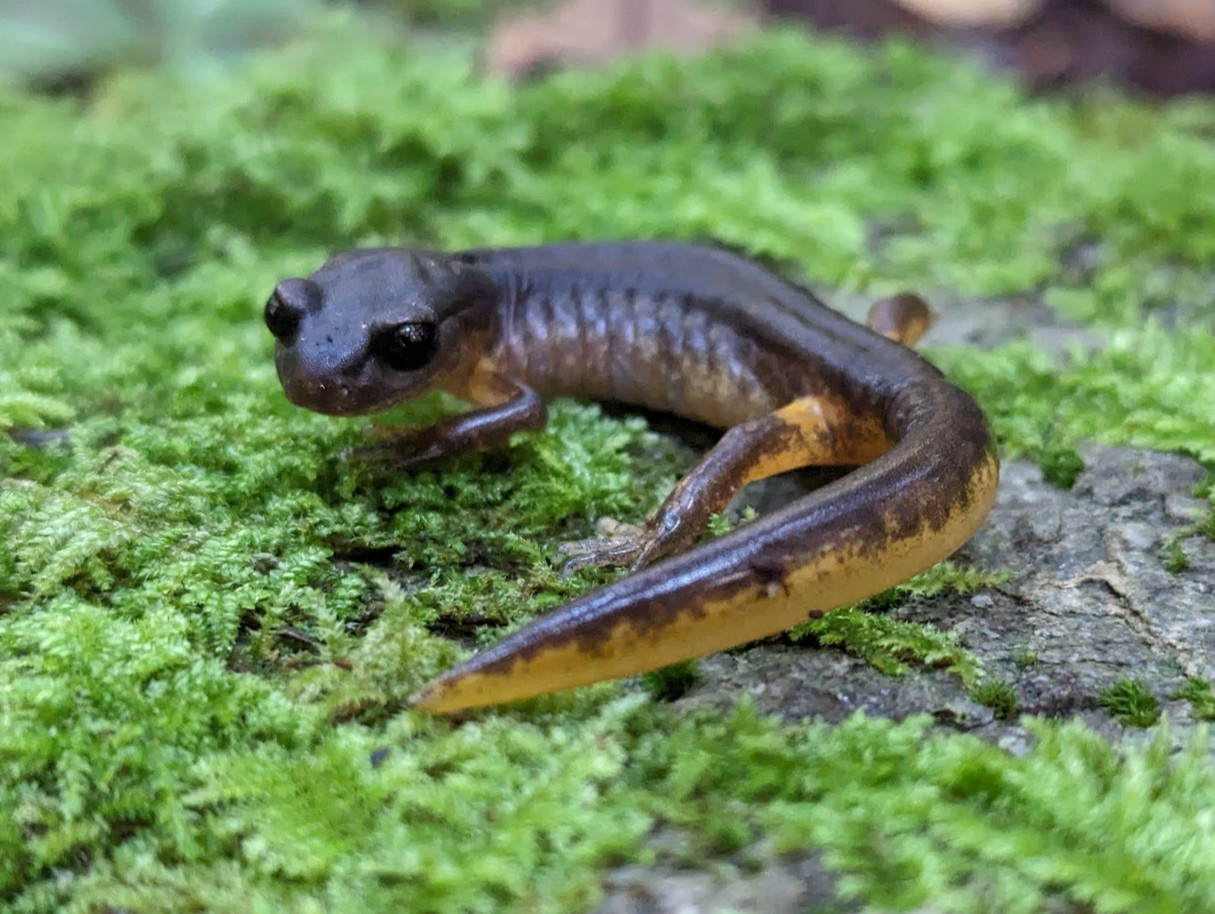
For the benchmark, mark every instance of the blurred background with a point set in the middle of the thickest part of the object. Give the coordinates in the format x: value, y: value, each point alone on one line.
x: 1161, y: 47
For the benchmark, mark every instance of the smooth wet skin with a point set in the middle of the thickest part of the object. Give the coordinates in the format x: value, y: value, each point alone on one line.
x: 696, y: 331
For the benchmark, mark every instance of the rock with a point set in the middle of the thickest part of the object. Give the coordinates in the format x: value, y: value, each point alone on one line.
x: 784, y: 886
x: 1090, y: 602
x: 986, y: 323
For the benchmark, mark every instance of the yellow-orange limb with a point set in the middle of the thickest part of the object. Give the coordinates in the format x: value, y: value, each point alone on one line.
x: 904, y: 318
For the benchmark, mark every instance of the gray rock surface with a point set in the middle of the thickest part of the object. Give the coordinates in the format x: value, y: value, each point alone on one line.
x: 788, y: 886
x: 985, y: 323
x: 1089, y: 602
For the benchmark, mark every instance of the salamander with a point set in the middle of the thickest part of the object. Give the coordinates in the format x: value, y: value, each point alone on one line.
x: 698, y: 331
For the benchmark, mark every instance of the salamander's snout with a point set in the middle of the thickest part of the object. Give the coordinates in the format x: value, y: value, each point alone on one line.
x: 314, y: 382
x: 315, y: 390
x: 321, y: 368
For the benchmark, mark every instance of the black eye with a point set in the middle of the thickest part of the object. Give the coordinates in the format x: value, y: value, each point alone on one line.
x: 281, y: 320
x: 408, y: 346
x: 286, y: 306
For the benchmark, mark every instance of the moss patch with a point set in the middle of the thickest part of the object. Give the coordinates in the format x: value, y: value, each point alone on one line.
x: 892, y: 645
x: 999, y: 696
x: 1131, y: 702
x: 194, y: 587
x: 1200, y: 695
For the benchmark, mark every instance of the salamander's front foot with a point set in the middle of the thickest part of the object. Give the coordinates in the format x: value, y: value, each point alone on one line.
x: 400, y: 450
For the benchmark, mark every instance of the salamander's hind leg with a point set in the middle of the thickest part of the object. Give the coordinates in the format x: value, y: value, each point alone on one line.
x: 810, y: 431
x: 903, y: 318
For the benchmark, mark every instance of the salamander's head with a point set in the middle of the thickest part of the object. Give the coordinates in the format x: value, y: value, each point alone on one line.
x: 370, y: 328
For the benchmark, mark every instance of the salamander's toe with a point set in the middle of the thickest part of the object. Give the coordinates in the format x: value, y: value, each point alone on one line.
x: 611, y: 552
x: 621, y: 545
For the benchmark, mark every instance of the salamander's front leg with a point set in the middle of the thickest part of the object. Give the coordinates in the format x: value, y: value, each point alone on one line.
x: 507, y: 407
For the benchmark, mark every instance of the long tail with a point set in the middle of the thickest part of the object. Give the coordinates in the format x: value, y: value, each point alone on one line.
x: 868, y: 531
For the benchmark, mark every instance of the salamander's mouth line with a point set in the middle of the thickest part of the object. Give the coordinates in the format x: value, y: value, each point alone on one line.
x: 694, y: 331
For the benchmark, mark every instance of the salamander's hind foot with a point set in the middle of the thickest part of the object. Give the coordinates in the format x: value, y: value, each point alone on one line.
x: 903, y: 318
x: 806, y: 431
x: 619, y: 544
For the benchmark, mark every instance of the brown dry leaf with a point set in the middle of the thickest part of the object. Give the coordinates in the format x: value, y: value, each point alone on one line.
x: 1071, y: 42
x: 966, y: 14
x: 1188, y: 18
x: 1165, y: 47
x: 595, y: 31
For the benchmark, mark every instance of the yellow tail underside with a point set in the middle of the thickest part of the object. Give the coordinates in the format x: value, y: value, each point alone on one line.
x: 823, y: 582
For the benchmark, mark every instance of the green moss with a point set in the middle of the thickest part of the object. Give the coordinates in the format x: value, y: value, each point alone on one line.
x: 1131, y: 702
x: 1175, y: 558
x: 194, y: 586
x: 1025, y: 658
x: 1153, y: 381
x: 999, y: 696
x: 671, y: 682
x: 1201, y: 697
x: 417, y: 819
x: 891, y: 645
x: 951, y: 822
x: 1060, y: 467
x: 1207, y: 527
